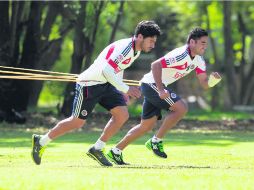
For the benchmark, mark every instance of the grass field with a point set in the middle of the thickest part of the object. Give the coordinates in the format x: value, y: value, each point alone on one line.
x: 196, y: 160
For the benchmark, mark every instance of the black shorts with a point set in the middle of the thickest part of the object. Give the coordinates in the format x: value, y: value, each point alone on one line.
x: 86, y: 97
x: 153, y: 104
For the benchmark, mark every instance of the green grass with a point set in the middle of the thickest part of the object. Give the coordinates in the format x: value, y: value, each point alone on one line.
x: 196, y: 160
x: 217, y: 115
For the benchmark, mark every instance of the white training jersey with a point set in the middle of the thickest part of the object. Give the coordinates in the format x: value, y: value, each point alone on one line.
x: 109, y: 65
x: 176, y: 64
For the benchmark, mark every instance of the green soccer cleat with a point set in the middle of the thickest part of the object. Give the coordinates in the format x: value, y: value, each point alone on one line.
x: 37, y: 149
x: 98, y: 155
x: 116, y: 158
x: 157, y: 148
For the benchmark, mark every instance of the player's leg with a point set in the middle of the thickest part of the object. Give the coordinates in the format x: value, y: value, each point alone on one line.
x: 115, y: 154
x: 119, y: 117
x: 113, y: 101
x: 178, y: 110
x: 81, y: 109
x: 39, y: 142
x: 150, y: 114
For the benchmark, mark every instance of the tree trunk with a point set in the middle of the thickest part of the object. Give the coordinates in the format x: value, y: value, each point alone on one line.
x: 77, y: 58
x: 90, y: 42
x: 30, y: 54
x: 215, y: 90
x: 229, y: 56
x: 118, y: 18
x: 5, y: 58
x: 49, y: 55
x: 83, y: 48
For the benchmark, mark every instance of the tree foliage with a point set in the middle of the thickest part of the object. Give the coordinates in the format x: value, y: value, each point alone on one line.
x: 33, y: 34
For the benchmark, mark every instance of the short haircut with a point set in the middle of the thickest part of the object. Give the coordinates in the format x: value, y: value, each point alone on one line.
x: 147, y: 29
x: 196, y: 34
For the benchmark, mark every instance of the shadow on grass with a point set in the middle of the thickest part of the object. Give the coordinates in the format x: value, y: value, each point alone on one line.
x: 159, y: 167
x: 163, y: 167
x: 22, y: 138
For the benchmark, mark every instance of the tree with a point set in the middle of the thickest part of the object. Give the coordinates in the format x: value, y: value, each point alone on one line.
x: 27, y: 27
x: 83, y: 48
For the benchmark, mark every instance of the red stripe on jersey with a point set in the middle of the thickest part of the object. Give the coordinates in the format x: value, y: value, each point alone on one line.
x: 125, y: 62
x: 110, y: 51
x: 180, y: 67
x: 112, y: 63
x: 199, y: 71
x: 163, y: 63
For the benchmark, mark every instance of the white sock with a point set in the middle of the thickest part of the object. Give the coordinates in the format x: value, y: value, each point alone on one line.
x: 156, y: 139
x: 99, y: 145
x: 45, y: 140
x: 116, y: 150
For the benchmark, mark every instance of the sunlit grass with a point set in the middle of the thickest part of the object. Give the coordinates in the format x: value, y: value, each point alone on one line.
x: 196, y: 160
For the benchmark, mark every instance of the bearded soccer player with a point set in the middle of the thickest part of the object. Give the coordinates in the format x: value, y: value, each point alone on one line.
x: 157, y: 96
x: 103, y: 84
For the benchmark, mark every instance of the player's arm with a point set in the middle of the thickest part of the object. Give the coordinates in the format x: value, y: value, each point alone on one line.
x: 157, y: 74
x: 209, y: 81
x: 109, y: 73
x: 111, y: 69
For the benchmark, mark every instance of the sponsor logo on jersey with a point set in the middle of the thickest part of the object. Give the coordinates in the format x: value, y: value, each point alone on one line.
x: 179, y: 75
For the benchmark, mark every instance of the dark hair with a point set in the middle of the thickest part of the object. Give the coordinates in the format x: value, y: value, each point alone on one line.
x: 196, y: 33
x: 147, y: 29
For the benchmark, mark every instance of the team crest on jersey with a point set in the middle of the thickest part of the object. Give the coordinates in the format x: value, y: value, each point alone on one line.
x: 84, y: 113
x: 126, y: 61
x: 192, y: 66
x: 173, y: 95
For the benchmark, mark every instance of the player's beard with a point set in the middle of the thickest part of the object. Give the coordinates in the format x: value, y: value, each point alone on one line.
x: 145, y: 49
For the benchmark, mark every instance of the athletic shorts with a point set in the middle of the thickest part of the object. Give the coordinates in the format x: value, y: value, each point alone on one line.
x: 86, y: 97
x: 153, y: 104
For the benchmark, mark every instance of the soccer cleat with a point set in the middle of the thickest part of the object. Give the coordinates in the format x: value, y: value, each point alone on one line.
x: 98, y: 155
x: 37, y: 149
x: 116, y: 158
x: 157, y: 148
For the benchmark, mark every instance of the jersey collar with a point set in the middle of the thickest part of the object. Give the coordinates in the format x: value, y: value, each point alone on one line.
x: 189, y: 51
x: 134, y: 45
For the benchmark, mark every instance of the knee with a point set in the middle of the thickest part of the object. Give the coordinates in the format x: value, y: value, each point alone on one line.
x: 77, y: 123
x: 122, y: 117
x: 181, y: 108
x: 185, y: 109
x: 146, y: 128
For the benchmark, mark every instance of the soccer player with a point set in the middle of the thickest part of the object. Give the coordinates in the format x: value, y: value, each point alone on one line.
x: 157, y: 96
x: 103, y: 84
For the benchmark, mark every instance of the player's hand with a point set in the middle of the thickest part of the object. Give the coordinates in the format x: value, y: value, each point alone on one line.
x: 126, y: 98
x: 216, y: 75
x: 134, y: 92
x: 163, y: 94
x: 214, y: 79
